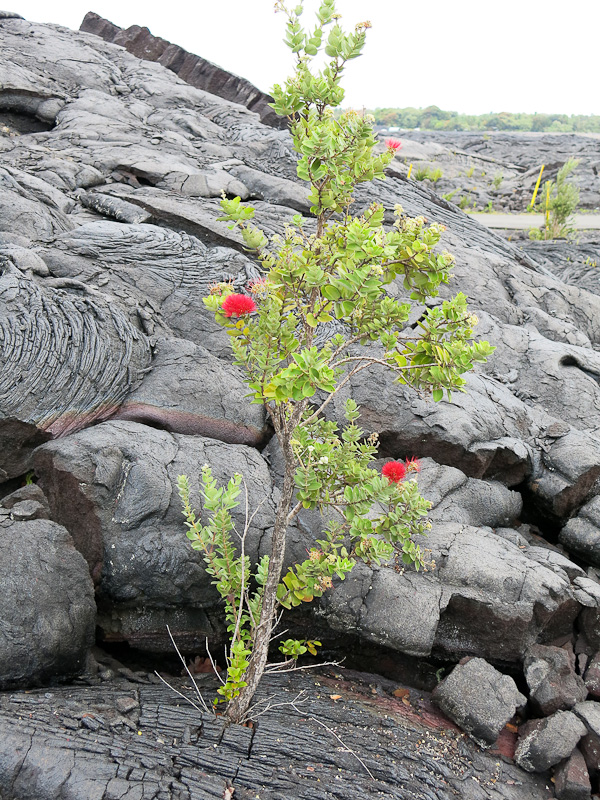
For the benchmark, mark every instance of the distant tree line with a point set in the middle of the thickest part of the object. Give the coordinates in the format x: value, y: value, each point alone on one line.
x: 434, y: 118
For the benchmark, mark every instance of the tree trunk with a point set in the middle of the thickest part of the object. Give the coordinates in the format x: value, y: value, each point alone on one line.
x: 238, y: 707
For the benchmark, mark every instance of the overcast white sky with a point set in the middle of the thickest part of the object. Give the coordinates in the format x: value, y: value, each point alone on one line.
x: 470, y: 56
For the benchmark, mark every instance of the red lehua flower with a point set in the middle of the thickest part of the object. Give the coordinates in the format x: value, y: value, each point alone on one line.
x: 393, y: 144
x: 238, y: 305
x: 394, y: 471
x: 413, y: 464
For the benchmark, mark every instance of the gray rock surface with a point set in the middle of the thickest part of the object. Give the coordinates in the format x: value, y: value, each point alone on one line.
x: 589, y: 713
x: 194, y: 70
x: 125, y: 134
x: 479, y: 699
x: 543, y: 743
x: 574, y: 262
x: 68, y: 360
x: 46, y: 603
x: 470, y: 161
x: 114, y: 487
x: 494, y: 606
x: 571, y: 779
x: 30, y: 493
x: 553, y: 683
x: 82, y: 742
x: 581, y: 534
x: 191, y: 391
x: 592, y: 676
x: 111, y: 169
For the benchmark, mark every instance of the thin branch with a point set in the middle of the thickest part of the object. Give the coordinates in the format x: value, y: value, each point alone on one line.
x: 328, y: 400
x: 185, y: 697
x: 185, y: 666
x: 276, y: 624
x: 341, y: 741
x: 214, y: 666
x: 272, y: 668
x: 298, y: 699
x: 255, y: 512
x: 370, y: 360
x: 294, y: 511
x: 277, y: 635
x: 346, y: 344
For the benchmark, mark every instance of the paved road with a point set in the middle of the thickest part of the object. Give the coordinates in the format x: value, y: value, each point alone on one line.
x: 525, y: 221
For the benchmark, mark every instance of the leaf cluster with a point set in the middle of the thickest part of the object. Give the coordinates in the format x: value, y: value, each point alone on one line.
x: 230, y: 570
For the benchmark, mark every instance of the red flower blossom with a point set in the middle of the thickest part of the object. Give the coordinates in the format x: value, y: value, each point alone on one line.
x: 393, y: 144
x: 238, y: 305
x: 394, y: 471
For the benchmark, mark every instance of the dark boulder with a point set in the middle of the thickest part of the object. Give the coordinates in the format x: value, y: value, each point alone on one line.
x: 471, y: 601
x: 553, y: 683
x: 479, y: 699
x: 191, y: 391
x: 46, y: 603
x: 544, y: 742
x: 114, y: 487
x: 571, y: 778
x: 581, y: 534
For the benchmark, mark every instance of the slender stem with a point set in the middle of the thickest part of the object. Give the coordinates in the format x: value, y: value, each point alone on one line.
x: 295, y: 510
x: 239, y: 706
x: 238, y: 619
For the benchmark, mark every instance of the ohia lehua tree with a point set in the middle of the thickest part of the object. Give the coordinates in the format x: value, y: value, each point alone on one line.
x: 325, y: 273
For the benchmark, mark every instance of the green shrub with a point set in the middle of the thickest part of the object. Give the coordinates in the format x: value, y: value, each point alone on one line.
x: 559, y: 200
x: 425, y: 173
x: 331, y: 268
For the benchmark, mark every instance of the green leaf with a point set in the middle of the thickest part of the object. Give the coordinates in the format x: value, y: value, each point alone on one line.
x: 330, y: 292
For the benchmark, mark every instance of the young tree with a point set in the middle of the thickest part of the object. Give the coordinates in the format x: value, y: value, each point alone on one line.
x: 328, y: 270
x: 559, y: 200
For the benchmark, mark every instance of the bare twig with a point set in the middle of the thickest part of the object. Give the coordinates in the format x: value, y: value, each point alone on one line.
x: 293, y: 512
x: 276, y: 624
x: 370, y: 360
x: 189, y: 700
x: 272, y: 668
x: 341, y: 741
x: 212, y: 661
x: 191, y: 677
x: 279, y: 633
x: 300, y: 698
